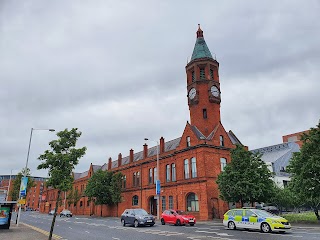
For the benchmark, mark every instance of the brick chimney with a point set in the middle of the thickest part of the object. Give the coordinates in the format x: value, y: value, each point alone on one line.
x: 162, y: 145
x: 109, y: 163
x: 131, y: 156
x: 145, y: 151
x: 119, y: 159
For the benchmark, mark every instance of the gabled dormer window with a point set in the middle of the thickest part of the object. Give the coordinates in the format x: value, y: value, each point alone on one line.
x: 221, y: 141
x: 188, y: 141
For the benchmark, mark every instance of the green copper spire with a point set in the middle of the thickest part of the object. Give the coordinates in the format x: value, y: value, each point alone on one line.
x: 201, y: 49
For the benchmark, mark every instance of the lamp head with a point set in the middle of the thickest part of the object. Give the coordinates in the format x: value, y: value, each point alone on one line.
x: 51, y: 130
x: 146, y: 139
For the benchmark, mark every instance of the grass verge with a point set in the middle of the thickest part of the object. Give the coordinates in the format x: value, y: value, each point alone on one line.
x: 304, y: 217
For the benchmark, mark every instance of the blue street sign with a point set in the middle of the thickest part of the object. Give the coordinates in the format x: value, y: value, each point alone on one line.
x: 158, y: 187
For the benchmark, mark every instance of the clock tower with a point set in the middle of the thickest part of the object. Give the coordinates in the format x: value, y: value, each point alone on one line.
x: 203, y: 87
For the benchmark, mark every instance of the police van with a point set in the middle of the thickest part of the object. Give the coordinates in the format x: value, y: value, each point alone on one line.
x: 255, y: 219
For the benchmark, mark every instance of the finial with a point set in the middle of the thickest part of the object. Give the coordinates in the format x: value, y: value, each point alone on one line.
x: 199, y: 32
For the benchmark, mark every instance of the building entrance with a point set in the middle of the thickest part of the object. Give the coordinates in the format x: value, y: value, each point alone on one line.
x: 153, y: 206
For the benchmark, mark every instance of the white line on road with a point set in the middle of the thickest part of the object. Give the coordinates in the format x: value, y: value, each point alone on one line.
x: 87, y: 231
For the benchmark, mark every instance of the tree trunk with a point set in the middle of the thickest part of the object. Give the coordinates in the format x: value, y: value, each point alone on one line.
x: 316, y: 212
x: 54, y: 215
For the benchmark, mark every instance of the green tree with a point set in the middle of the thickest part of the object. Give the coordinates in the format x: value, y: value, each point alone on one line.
x: 73, y: 197
x: 305, y: 168
x: 15, y: 191
x: 284, y: 198
x: 60, y: 162
x: 104, y: 187
x: 245, y: 179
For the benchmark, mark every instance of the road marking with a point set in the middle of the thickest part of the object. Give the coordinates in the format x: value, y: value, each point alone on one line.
x: 115, y: 238
x: 42, y: 231
x: 87, y: 231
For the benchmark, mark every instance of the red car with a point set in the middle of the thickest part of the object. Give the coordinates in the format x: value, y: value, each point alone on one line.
x: 177, y: 217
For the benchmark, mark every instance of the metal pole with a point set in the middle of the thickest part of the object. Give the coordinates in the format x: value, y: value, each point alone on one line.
x: 24, y: 175
x: 158, y: 178
x: 25, y: 170
x: 9, y: 186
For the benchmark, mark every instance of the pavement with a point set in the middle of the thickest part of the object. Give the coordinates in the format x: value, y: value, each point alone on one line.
x: 24, y: 232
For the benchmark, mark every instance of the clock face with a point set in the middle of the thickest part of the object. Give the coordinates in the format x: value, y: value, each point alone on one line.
x: 192, y: 93
x: 215, y: 91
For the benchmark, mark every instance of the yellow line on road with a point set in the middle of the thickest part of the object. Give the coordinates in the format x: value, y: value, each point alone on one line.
x: 42, y: 231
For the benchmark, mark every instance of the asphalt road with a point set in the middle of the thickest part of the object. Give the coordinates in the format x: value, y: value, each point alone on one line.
x: 84, y: 228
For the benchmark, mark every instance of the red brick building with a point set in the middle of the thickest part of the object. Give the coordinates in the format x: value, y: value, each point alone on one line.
x: 294, y: 137
x: 188, y: 165
x: 34, y: 194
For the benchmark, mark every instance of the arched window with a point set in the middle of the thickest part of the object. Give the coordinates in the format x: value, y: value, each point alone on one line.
x: 192, y: 203
x: 135, y: 200
x: 188, y: 141
x: 171, y: 202
x: 154, y: 175
x: 173, y: 171
x: 168, y: 173
x: 150, y: 175
x: 221, y: 141
x: 124, y: 182
x: 193, y: 167
x: 186, y: 169
x: 223, y: 163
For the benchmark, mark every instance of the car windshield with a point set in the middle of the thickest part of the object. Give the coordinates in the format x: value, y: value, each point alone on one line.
x: 66, y: 211
x: 180, y: 212
x: 140, y: 212
x: 262, y: 213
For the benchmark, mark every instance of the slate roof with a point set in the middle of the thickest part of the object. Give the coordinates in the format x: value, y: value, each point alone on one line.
x: 233, y: 138
x: 278, y: 156
x: 80, y: 175
x: 96, y: 168
x: 201, y: 49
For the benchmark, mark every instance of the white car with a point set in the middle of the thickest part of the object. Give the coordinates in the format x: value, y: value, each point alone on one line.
x: 66, y: 213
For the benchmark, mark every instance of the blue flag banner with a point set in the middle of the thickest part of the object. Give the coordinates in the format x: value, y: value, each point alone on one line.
x: 158, y: 187
x: 23, y: 186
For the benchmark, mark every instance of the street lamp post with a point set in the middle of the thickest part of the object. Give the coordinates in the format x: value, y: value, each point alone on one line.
x: 157, y: 179
x: 9, y: 185
x: 25, y: 169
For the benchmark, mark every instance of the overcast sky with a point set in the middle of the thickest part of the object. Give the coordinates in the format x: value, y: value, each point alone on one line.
x: 116, y: 71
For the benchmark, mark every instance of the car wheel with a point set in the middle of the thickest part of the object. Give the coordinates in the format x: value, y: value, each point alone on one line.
x: 178, y: 223
x: 265, y: 227
x: 163, y: 222
x: 60, y: 215
x: 231, y: 225
x: 192, y: 224
x: 135, y: 223
x: 123, y: 222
